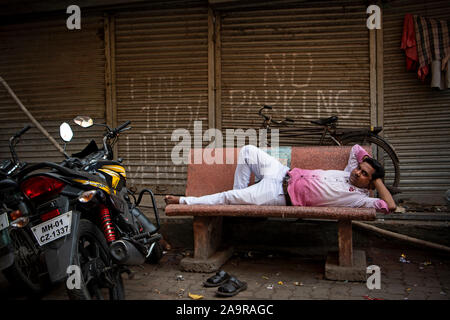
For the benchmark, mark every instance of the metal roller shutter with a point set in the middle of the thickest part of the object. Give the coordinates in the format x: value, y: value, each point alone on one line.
x: 416, y: 118
x: 308, y: 61
x: 162, y: 84
x: 57, y: 74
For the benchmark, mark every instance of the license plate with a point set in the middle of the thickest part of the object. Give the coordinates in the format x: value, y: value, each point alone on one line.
x: 53, y: 229
x: 4, y: 223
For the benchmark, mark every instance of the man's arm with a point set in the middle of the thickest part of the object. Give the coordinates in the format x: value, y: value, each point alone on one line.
x: 384, y: 194
x: 357, y: 154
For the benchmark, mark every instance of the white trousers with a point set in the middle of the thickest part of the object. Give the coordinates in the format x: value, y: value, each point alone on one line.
x: 269, y: 174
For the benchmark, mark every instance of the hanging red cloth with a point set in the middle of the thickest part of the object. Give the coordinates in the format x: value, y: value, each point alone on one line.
x: 409, y: 43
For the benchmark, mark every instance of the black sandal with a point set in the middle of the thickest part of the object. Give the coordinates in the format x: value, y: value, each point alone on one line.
x: 217, y: 280
x: 232, y: 287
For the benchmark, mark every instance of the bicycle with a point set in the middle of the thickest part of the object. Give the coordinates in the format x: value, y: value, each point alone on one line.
x: 332, y: 135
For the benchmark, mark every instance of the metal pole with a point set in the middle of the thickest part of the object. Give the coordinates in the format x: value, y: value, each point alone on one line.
x: 29, y: 115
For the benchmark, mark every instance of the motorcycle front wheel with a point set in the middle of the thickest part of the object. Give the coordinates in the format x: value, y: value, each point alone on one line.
x: 100, y: 278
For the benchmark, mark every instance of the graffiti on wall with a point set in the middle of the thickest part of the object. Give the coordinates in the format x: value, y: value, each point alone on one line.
x: 287, y: 86
x: 150, y: 140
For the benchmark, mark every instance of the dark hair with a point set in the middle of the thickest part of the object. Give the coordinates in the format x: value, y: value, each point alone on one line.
x: 379, y: 170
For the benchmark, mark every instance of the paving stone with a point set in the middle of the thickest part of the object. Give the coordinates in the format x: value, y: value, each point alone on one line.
x: 263, y: 294
x: 416, y: 295
x: 432, y: 283
x: 340, y: 290
x: 361, y: 290
x: 301, y: 293
x: 343, y: 297
x: 395, y: 288
x: 388, y: 296
x: 438, y: 296
x: 393, y: 275
x: 320, y: 293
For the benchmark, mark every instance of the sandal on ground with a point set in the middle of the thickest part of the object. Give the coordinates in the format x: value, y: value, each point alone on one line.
x: 217, y: 280
x: 232, y: 287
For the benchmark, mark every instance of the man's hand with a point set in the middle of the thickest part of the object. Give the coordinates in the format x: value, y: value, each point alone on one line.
x: 384, y: 193
x: 169, y: 199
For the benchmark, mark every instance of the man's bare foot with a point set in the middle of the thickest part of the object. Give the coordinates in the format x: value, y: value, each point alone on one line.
x: 169, y: 199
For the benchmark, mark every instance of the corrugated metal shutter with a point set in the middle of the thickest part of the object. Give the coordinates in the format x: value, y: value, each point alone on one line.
x: 57, y: 74
x: 416, y: 119
x: 308, y: 61
x: 162, y: 84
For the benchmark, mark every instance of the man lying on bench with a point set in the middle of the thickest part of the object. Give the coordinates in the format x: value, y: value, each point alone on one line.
x: 278, y: 185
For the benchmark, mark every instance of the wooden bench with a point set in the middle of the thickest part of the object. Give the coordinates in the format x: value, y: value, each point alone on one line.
x: 203, y: 179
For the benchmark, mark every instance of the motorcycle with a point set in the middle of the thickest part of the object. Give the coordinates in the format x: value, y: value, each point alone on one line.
x: 20, y: 257
x: 87, y: 221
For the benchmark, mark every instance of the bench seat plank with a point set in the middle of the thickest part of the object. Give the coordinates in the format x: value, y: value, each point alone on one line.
x: 334, y: 213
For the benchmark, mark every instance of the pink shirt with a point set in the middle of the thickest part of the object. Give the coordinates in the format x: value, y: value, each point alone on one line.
x: 319, y: 188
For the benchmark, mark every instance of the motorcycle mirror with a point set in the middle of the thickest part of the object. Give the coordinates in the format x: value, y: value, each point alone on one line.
x: 83, y: 121
x: 65, y: 131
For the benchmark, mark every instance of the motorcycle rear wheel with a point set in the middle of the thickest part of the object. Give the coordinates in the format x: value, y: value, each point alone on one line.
x: 100, y: 278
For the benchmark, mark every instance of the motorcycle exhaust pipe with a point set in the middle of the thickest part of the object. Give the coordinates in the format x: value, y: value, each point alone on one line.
x: 124, y: 252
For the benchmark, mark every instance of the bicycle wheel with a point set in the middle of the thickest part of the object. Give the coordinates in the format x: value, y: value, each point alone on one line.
x: 384, y: 153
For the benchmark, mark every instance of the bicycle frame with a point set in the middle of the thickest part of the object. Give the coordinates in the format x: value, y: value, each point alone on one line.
x: 303, y: 132
x: 285, y: 129
x: 335, y: 134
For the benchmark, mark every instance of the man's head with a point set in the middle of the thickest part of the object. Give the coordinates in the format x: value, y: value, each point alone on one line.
x: 366, y: 172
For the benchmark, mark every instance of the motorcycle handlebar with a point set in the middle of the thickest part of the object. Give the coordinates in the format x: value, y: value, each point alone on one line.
x: 123, y: 125
x: 13, y: 141
x: 113, y: 133
x: 21, y: 132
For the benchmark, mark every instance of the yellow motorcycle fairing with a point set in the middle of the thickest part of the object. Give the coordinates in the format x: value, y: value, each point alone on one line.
x: 96, y: 184
x: 114, y: 174
x: 119, y: 169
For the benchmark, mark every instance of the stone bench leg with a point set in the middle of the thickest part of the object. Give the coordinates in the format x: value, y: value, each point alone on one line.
x: 345, y: 243
x: 346, y: 264
x: 207, y: 240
